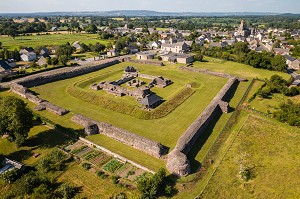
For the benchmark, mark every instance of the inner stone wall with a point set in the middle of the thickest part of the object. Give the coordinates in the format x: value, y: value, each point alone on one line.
x: 141, y: 143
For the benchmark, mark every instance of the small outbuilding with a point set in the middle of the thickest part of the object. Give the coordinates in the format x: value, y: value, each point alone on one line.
x: 151, y: 101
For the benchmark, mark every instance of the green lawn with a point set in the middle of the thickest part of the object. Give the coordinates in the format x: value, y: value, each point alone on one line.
x: 41, y: 140
x: 49, y: 40
x: 234, y: 68
x: 159, y: 129
x: 272, y: 153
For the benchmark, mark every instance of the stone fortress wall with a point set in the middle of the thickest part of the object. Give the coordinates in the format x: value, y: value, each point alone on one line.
x: 178, y: 162
x: 138, y: 142
x: 41, y: 103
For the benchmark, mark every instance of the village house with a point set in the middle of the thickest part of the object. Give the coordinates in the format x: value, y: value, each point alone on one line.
x: 77, y: 46
x: 145, y: 55
x: 5, y: 69
x: 9, y: 165
x: 112, y: 53
x: 28, y: 56
x: 154, y: 44
x: 42, y: 61
x: 178, y: 58
x: 44, y: 52
x: 179, y: 47
x: 281, y: 51
x: 292, y: 62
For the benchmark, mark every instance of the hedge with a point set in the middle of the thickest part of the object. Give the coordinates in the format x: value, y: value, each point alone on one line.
x: 162, y: 111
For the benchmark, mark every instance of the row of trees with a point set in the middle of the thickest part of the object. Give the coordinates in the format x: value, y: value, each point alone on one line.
x: 239, y: 52
x: 8, y: 54
x: 277, y: 84
x: 289, y: 113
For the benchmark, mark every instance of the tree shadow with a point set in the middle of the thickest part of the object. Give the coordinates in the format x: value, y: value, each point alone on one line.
x: 20, y: 155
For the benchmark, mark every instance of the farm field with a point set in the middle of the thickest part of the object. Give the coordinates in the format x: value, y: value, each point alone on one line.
x: 49, y: 40
x: 271, y: 151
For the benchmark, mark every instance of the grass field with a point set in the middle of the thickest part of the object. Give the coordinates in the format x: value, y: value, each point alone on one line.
x: 234, y: 68
x: 160, y: 129
x: 49, y: 40
x: 272, y: 153
x: 41, y: 140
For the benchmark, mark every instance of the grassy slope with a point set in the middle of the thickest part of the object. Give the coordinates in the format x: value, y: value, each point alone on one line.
x: 273, y: 150
x: 236, y: 69
x: 49, y: 40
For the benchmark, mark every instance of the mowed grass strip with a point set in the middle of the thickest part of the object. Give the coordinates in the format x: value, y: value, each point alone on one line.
x: 128, y: 152
x: 272, y: 153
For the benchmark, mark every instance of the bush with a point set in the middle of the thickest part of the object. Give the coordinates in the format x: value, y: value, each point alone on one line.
x: 11, y: 176
x: 115, y: 179
x: 86, y: 166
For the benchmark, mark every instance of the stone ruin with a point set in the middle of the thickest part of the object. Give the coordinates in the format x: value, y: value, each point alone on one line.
x: 177, y: 162
x: 161, y: 82
x: 41, y: 103
x: 138, y: 142
x: 136, y: 83
x: 129, y: 76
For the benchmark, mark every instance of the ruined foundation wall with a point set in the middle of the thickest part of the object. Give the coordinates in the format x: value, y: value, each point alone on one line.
x: 41, y: 103
x: 141, y: 143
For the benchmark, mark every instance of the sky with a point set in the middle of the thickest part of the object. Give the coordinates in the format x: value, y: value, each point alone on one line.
x: 25, y: 6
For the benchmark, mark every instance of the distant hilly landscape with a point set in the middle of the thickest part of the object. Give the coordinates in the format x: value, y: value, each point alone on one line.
x: 142, y: 13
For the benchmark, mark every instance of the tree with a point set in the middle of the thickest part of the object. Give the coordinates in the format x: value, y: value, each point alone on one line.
x: 54, y: 60
x: 91, y: 28
x: 279, y: 63
x: 63, y: 59
x: 11, y: 176
x: 15, y: 119
x: 0, y: 45
x: 149, y: 184
x: 67, y: 191
x: 41, y: 192
x: 198, y: 57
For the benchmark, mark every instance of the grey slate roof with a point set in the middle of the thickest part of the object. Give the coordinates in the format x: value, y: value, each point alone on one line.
x: 150, y: 100
x: 4, y: 65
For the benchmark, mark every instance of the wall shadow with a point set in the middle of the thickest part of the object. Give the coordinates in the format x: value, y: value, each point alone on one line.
x: 195, y: 165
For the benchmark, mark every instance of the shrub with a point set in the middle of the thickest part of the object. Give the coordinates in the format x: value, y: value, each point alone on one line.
x: 11, y: 176
x: 115, y: 179
x: 86, y: 166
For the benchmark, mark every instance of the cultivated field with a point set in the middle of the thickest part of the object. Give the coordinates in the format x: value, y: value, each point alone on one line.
x: 49, y: 40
